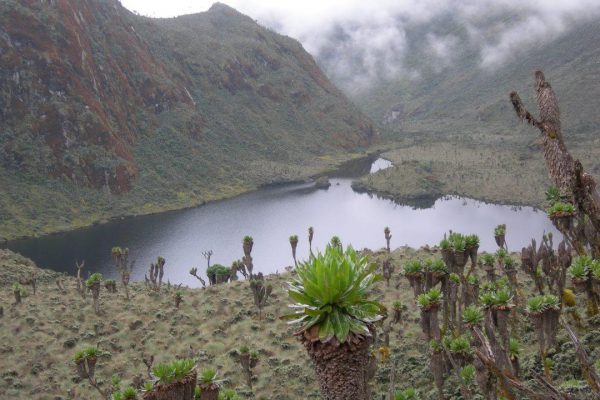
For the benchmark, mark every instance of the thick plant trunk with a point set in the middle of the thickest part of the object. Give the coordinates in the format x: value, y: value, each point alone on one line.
x: 341, y: 369
x: 183, y: 390
x: 209, y: 392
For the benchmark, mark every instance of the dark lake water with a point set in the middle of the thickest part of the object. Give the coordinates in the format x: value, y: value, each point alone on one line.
x: 270, y: 216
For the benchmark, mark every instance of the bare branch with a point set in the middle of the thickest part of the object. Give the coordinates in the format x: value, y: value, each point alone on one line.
x: 522, y: 112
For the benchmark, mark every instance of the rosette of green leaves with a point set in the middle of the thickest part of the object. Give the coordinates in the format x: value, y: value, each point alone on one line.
x: 435, y: 266
x: 500, y: 230
x: 472, y: 315
x: 472, y: 241
x: 331, y: 291
x: 487, y: 259
x: 406, y: 394
x: 218, y: 270
x: 458, y: 242
x: 580, y: 268
x: 93, y: 279
x: 172, y: 372
x: 539, y: 304
x: 595, y: 269
x: 561, y: 208
x: 413, y: 267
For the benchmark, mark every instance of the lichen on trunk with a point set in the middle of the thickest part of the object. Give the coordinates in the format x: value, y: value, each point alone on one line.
x: 341, y: 369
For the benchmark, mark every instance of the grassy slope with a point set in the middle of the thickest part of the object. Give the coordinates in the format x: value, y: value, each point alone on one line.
x: 38, y: 338
x: 195, y: 108
x: 493, y: 169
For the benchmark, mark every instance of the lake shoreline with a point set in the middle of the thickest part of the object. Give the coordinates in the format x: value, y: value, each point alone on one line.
x: 325, y: 171
x: 417, y: 200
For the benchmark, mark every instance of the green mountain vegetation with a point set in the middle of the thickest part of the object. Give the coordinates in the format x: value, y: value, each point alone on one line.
x: 453, y: 128
x: 220, y: 329
x: 453, y: 324
x: 104, y: 113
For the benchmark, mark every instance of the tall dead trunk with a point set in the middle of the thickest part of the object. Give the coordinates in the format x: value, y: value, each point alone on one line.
x: 565, y: 172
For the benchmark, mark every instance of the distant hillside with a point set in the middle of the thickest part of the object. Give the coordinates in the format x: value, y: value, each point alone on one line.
x: 457, y: 92
x: 105, y: 113
x: 453, y: 124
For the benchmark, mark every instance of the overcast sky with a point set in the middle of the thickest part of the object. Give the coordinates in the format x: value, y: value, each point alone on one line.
x: 375, y: 31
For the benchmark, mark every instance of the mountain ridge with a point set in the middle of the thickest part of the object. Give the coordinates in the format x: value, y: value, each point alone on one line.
x: 106, y: 113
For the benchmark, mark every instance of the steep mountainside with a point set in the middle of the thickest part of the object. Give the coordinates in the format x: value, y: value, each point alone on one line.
x: 106, y: 113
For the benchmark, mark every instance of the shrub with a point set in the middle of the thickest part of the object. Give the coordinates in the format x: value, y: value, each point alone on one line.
x: 332, y: 291
x: 514, y: 348
x: 116, y: 383
x: 93, y: 279
x: 244, y: 349
x: 502, y: 297
x: 413, y: 267
x: 509, y: 262
x: 335, y: 241
x: 502, y: 283
x: 22, y: 291
x: 436, y: 266
x: 467, y: 373
x: 472, y: 241
x: 458, y: 242
x: 129, y: 393
x: 595, y: 269
x: 500, y: 230
x: 460, y: 344
x: 561, y: 208
x: 208, y: 376
x: 539, y: 304
x: 487, y: 259
x: 454, y: 277
x: 406, y: 394
x: 88, y: 353
x: 431, y: 298
x: 580, y: 267
x: 487, y: 298
x: 472, y: 280
x: 554, y: 196
x: 218, y: 270
x: 423, y: 300
x: 228, y: 394
x: 472, y: 315
x: 445, y: 244
x: 174, y: 371
x: 79, y: 355
x: 501, y: 254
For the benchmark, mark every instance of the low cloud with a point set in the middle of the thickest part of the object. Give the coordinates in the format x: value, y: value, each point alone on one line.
x: 359, y: 42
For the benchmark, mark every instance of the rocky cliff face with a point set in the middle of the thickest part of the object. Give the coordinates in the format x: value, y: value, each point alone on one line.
x: 74, y: 76
x: 94, y: 99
